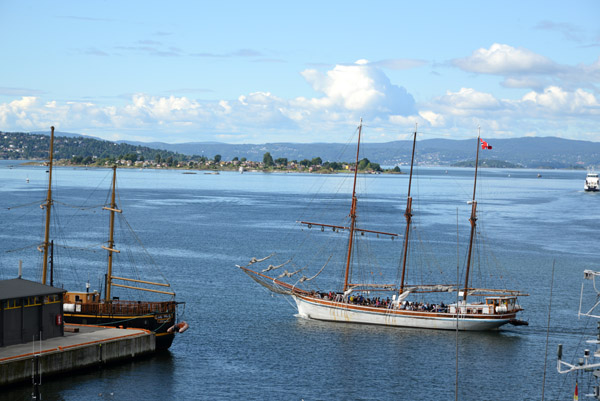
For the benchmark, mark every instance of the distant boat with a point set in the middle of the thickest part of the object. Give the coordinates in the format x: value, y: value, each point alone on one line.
x: 27, y: 180
x: 400, y: 304
x: 539, y: 176
x: 213, y: 173
x: 241, y: 170
x: 188, y: 172
x: 591, y: 182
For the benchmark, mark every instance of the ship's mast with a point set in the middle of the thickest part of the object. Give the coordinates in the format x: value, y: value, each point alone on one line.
x: 352, y: 213
x: 48, y: 206
x: 472, y: 219
x: 408, y: 214
x: 111, y: 242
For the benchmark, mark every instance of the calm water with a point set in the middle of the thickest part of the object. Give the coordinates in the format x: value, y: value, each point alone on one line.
x: 246, y: 344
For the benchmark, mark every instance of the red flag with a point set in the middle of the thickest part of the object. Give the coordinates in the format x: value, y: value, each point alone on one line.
x: 576, y: 395
x: 484, y: 144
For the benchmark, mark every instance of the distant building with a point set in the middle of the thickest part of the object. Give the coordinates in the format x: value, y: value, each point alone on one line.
x: 28, y: 309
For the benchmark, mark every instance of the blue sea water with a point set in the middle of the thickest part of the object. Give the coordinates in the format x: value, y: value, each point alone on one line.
x: 245, y: 343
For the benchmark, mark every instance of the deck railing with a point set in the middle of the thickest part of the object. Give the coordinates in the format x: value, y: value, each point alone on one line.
x: 118, y: 307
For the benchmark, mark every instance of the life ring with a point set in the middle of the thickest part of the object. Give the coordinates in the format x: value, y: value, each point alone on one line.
x: 178, y: 328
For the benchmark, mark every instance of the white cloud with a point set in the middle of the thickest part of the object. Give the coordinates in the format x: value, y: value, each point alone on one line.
x: 556, y: 101
x: 467, y: 100
x: 522, y: 68
x: 503, y: 59
x: 434, y: 119
x: 347, y: 92
x: 359, y: 88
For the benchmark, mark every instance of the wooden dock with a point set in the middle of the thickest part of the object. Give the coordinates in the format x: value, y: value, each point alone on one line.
x: 81, y: 347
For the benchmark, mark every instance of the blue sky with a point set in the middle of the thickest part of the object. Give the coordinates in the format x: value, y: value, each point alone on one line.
x: 277, y: 71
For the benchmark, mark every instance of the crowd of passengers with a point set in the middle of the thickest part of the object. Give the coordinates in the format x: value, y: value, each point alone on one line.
x: 358, y: 299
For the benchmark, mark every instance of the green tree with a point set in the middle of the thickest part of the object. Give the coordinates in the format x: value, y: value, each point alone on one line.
x: 235, y: 159
x: 316, y: 161
x: 157, y: 158
x: 268, y: 160
x: 363, y: 164
x: 396, y: 169
x: 243, y: 159
x: 217, y: 158
x: 281, y: 161
x: 305, y: 163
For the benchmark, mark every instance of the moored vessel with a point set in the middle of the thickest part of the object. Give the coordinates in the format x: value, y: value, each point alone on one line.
x: 94, y: 308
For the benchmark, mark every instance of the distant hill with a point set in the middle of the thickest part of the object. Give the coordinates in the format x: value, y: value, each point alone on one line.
x: 530, y: 152
x: 66, y: 134
x: 29, y: 146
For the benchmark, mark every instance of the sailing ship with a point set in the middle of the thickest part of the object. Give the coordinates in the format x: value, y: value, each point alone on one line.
x: 92, y: 308
x: 352, y: 301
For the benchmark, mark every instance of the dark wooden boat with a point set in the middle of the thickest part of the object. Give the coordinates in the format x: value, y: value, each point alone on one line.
x: 94, y: 309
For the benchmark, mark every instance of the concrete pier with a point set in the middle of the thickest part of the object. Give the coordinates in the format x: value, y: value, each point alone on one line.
x: 81, y: 347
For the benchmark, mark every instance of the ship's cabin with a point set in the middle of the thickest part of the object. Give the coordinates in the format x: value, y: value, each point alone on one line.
x: 75, y: 297
x: 502, y: 304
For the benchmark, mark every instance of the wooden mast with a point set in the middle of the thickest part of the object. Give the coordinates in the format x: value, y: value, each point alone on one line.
x: 472, y: 219
x: 48, y: 206
x: 111, y: 241
x: 408, y: 214
x: 352, y: 213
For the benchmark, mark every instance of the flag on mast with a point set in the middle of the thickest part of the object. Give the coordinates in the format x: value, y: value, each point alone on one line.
x: 576, y: 395
x: 484, y: 144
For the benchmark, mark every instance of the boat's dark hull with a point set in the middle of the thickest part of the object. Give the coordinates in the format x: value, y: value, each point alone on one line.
x: 158, y: 321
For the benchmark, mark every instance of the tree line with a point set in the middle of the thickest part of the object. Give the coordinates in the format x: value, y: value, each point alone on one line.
x: 90, y: 151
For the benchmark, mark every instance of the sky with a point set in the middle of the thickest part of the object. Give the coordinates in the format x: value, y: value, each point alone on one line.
x: 301, y: 71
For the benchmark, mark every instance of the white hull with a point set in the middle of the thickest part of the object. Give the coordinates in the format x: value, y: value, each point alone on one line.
x: 318, y: 309
x: 592, y: 183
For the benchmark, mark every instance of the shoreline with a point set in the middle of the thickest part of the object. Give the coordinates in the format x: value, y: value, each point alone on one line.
x: 280, y: 171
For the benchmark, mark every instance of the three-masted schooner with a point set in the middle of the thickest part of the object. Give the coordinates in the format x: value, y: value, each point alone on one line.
x: 351, y: 302
x: 87, y: 307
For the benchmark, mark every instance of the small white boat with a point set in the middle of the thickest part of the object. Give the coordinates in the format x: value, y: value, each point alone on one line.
x: 591, y: 182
